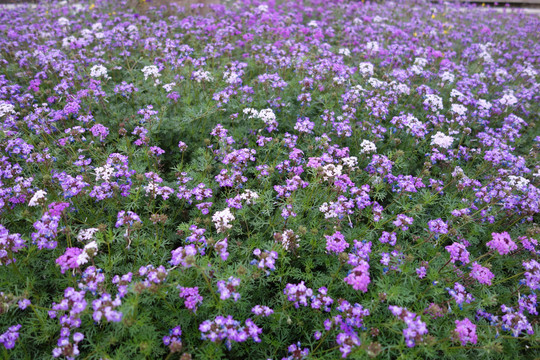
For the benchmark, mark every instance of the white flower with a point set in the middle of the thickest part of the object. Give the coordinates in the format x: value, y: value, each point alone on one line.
x: 38, y: 195
x: 6, y: 108
x: 366, y: 69
x: 169, y: 87
x: 373, y: 46
x: 222, y: 219
x: 63, y: 21
x: 104, y: 172
x: 508, y: 99
x: 67, y: 41
x: 98, y: 71
x: 434, y: 102
x: 376, y: 83
x: 331, y: 171
x: 367, y: 147
x: 518, y: 182
x: 313, y: 23
x: 87, y: 234
x: 201, y: 75
x: 97, y: 26
x: 442, y: 140
x: 267, y: 116
x: 344, y: 52
x: 420, y: 62
x: 90, y: 250
x: 351, y: 161
x: 458, y: 109
x: 249, y: 196
x: 448, y: 77
x: 486, y: 105
x: 151, y: 70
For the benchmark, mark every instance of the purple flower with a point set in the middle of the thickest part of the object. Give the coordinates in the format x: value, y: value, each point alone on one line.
x: 191, y: 297
x: 9, y: 338
x: 482, y: 274
x: 438, y: 226
x: 502, y: 243
x: 336, y: 243
x: 466, y: 331
x: 227, y: 288
x: 359, y: 278
x: 416, y: 328
x: 458, y: 252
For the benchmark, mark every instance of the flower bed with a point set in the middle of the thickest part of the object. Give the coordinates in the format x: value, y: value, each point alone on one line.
x: 268, y: 181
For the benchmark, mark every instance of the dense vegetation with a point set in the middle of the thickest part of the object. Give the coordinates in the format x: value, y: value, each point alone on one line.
x: 269, y: 180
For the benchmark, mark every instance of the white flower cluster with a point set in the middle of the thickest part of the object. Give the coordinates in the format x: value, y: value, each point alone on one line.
x: 331, y: 171
x: 508, y: 98
x: 289, y: 240
x: 367, y: 147
x: 376, y: 83
x: 63, y: 21
x: 448, y: 77
x: 458, y: 109
x: 222, y: 220
x: 400, y: 88
x: 90, y: 250
x: 98, y: 71
x: 249, y: 196
x: 518, y: 182
x: 104, y: 172
x: 151, y: 70
x: 344, y: 52
x: 169, y: 87
x: 350, y: 162
x: 87, y: 234
x: 38, y: 195
x: 202, y: 76
x: 486, y: 105
x: 434, y: 102
x: 373, y: 46
x: 266, y: 115
x: 442, y: 140
x: 6, y: 108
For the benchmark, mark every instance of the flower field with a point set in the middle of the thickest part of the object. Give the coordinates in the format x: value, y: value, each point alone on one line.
x: 269, y: 180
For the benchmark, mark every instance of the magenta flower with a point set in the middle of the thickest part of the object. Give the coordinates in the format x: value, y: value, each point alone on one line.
x: 466, y: 331
x: 502, y: 243
x: 482, y: 274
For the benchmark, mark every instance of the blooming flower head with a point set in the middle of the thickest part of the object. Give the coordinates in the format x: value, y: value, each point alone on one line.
x: 442, y: 140
x: 502, y: 243
x: 458, y: 252
x: 481, y: 273
x: 466, y: 331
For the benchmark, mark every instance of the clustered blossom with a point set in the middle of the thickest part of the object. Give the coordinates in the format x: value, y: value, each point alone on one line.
x: 265, y: 259
x: 227, y: 289
x: 416, y: 328
x: 358, y: 277
x: 466, y: 331
x: 9, y: 244
x: 482, y: 274
x: 336, y: 243
x: 502, y: 243
x: 296, y: 352
x: 222, y: 220
x: 9, y: 337
x: 458, y: 252
x: 228, y: 329
x: 298, y: 293
x: 173, y: 340
x: 460, y: 295
x: 261, y: 310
